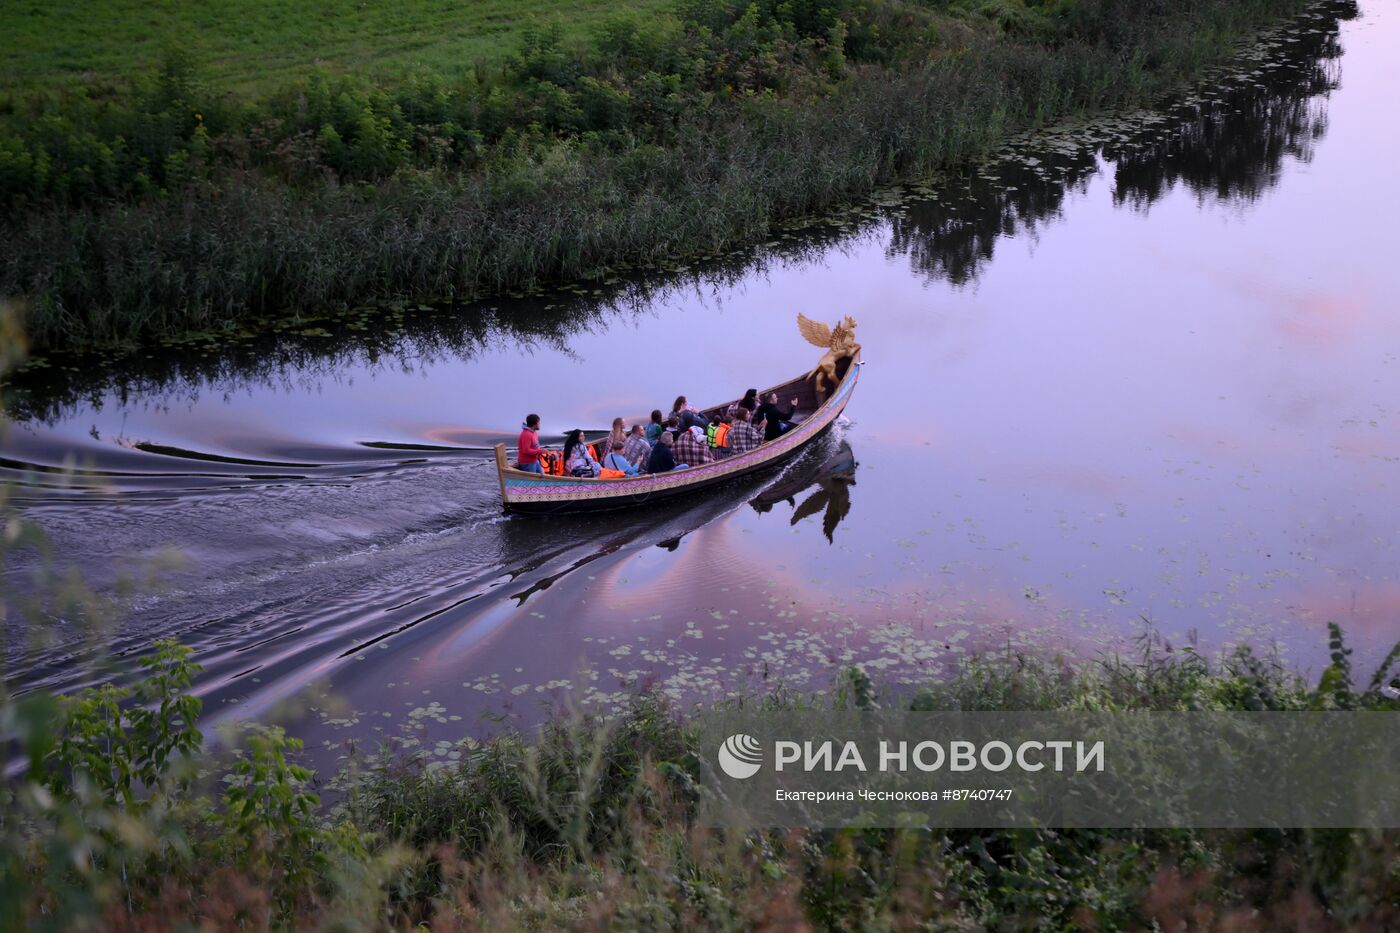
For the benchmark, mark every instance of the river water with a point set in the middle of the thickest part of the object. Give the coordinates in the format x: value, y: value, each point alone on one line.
x: 1138, y: 375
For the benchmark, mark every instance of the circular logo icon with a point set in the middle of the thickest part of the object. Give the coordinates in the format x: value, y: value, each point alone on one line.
x: 740, y: 756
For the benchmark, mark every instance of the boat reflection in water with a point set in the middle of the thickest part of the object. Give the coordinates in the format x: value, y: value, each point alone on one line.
x: 833, y: 477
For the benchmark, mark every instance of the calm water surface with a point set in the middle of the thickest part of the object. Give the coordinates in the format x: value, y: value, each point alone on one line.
x: 1143, y: 379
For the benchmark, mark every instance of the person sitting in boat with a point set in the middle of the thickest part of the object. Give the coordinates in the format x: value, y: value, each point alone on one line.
x: 529, y: 445
x: 617, y: 460
x: 618, y: 433
x: 779, y: 420
x: 743, y: 436
x: 636, y: 449
x: 655, y: 429
x: 717, y: 436
x: 663, y: 460
x: 578, y: 457
x: 749, y: 401
x: 692, y: 447
x: 687, y: 416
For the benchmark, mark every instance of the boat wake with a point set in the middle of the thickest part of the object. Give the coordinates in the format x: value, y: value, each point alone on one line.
x: 275, y: 582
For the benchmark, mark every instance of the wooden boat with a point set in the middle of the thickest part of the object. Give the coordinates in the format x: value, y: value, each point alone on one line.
x: 821, y: 396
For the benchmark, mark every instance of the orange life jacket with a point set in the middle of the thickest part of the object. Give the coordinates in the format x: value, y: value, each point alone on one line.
x: 552, y: 462
x: 718, y: 435
x: 611, y: 474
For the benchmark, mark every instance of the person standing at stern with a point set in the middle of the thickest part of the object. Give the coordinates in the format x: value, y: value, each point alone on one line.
x: 529, y: 445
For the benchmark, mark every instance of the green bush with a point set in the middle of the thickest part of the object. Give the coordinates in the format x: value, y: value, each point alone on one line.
x: 130, y: 744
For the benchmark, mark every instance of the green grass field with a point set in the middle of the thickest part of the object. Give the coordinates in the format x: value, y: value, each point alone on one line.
x: 248, y: 45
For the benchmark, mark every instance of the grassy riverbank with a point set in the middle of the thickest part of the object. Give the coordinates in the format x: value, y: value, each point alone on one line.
x: 590, y: 825
x: 169, y: 206
x: 256, y: 46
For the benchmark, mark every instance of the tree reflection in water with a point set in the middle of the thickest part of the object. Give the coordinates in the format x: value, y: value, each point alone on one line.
x: 1231, y: 145
x: 1228, y: 143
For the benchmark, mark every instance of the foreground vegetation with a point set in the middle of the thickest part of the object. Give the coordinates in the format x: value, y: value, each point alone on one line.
x: 590, y: 824
x: 169, y: 206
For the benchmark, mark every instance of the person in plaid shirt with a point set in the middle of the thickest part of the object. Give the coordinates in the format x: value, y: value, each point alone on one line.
x: 691, y: 448
x: 743, y: 436
x: 637, y: 450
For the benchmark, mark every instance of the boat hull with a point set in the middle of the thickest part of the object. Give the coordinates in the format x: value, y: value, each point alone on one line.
x: 533, y: 494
